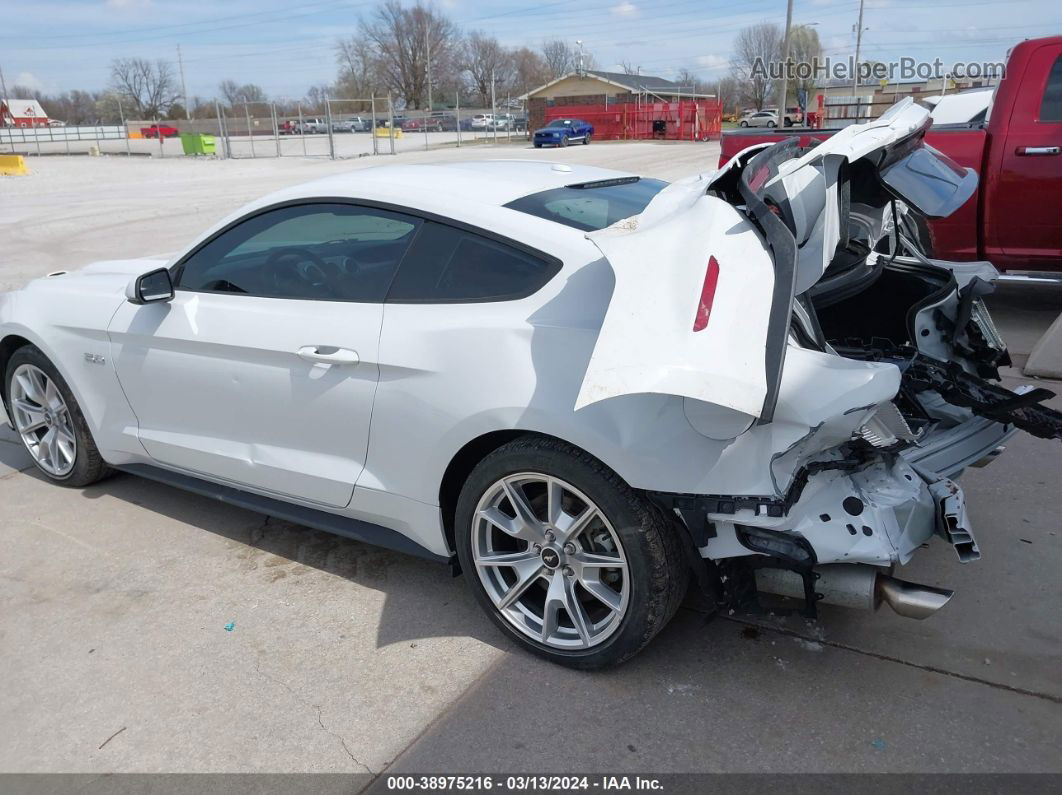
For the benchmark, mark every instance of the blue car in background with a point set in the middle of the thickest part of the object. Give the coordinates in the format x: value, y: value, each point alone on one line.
x: 561, y: 132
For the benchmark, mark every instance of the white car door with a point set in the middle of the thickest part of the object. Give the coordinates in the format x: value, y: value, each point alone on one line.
x: 263, y: 369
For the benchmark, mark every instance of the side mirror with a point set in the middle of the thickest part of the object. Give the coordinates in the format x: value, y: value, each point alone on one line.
x: 149, y: 288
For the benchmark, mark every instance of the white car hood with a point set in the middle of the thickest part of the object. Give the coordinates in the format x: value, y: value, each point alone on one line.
x: 695, y: 280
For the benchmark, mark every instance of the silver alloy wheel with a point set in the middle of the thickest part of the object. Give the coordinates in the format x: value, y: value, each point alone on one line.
x: 42, y: 419
x: 550, y: 561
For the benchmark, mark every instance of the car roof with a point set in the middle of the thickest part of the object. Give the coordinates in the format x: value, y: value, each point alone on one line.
x: 491, y: 182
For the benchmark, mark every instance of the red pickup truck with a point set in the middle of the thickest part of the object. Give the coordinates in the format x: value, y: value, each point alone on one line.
x: 1015, y: 218
x: 155, y: 130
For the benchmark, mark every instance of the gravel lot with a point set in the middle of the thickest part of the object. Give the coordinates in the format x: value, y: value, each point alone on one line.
x: 114, y: 600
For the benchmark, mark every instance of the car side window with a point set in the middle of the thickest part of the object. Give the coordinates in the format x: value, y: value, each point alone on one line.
x: 316, y: 251
x: 1051, y: 106
x: 451, y: 265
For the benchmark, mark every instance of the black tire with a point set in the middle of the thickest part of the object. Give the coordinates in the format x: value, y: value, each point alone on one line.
x: 657, y: 563
x: 538, y: 146
x: 586, y: 139
x: 89, y: 466
x: 564, y: 141
x: 743, y: 123
x: 771, y: 124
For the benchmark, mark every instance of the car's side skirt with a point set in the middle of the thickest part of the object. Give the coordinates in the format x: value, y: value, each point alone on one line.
x: 345, y: 526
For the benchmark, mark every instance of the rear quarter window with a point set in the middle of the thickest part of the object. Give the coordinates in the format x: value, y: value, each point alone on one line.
x: 450, y: 265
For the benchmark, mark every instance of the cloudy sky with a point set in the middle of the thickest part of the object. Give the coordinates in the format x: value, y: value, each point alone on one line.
x: 287, y: 45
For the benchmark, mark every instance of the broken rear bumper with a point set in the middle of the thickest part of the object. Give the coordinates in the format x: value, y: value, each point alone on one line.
x: 948, y: 452
x: 878, y: 515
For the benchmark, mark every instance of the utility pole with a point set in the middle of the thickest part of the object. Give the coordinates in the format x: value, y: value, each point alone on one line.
x: 184, y: 89
x: 4, y: 97
x: 859, y: 42
x: 785, y: 64
x: 493, y: 109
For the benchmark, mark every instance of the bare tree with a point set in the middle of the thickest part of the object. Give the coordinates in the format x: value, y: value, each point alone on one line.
x: 727, y: 91
x: 317, y: 96
x: 401, y: 39
x: 235, y: 94
x: 689, y: 81
x: 357, y: 69
x: 148, y: 87
x: 486, y: 61
x: 529, y: 70
x: 561, y: 58
x: 804, y: 47
x: 754, y: 48
x: 629, y: 68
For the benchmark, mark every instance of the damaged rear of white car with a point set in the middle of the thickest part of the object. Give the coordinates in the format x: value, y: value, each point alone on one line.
x: 806, y: 331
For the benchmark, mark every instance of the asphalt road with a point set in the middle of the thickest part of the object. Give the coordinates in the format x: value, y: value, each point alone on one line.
x: 145, y: 629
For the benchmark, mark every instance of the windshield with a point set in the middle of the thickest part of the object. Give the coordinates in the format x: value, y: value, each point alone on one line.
x: 591, y: 205
x: 560, y: 123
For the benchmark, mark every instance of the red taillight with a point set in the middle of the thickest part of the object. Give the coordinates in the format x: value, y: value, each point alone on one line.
x: 704, y: 308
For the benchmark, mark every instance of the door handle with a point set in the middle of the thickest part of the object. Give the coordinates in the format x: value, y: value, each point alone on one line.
x: 328, y: 354
x: 1032, y: 151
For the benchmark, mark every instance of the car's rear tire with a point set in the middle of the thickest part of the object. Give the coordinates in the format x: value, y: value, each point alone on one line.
x: 771, y: 124
x: 48, y: 420
x: 538, y: 146
x: 541, y: 570
x: 744, y: 123
x: 586, y: 139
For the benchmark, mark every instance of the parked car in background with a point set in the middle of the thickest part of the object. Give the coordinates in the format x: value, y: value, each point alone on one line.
x: 793, y: 116
x: 159, y: 129
x: 422, y: 124
x: 447, y: 121
x: 1014, y: 220
x: 398, y: 119
x: 288, y: 127
x: 561, y: 132
x: 482, y: 121
x: 502, y: 121
x: 353, y: 124
x: 760, y: 118
x: 314, y: 125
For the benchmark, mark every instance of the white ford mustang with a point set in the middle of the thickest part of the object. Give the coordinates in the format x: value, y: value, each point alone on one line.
x: 580, y: 387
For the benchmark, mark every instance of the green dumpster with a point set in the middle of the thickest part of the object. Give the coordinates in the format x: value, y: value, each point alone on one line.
x: 197, y: 144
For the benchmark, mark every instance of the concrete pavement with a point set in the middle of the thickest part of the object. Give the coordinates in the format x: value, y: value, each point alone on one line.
x: 145, y: 629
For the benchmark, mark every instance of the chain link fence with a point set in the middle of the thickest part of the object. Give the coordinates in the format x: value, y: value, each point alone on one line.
x: 336, y: 129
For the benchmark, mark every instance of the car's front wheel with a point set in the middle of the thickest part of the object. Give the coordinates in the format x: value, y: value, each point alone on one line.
x: 49, y: 421
x: 565, y: 557
x: 564, y: 141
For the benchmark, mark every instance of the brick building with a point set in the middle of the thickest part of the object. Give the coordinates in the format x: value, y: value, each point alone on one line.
x: 594, y: 87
